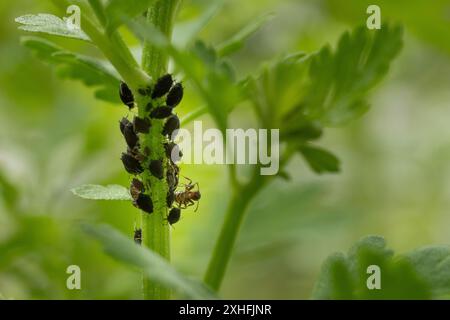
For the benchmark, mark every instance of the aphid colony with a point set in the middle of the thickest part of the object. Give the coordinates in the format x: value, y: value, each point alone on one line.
x: 136, y: 160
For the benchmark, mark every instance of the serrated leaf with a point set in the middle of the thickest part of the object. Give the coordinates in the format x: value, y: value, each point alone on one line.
x: 345, y: 276
x: 50, y: 24
x: 340, y: 80
x: 335, y: 280
x: 277, y: 90
x: 92, y: 72
x: 237, y: 41
x: 433, y: 265
x: 97, y: 192
x: 320, y: 160
x: 153, y: 265
x: 118, y: 11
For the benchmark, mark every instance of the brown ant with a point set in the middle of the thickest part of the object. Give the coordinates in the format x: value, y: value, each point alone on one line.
x: 188, y: 197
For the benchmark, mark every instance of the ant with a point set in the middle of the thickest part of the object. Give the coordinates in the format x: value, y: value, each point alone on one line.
x: 188, y: 197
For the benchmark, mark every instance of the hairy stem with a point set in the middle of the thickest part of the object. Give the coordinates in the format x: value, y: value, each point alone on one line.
x: 155, y: 229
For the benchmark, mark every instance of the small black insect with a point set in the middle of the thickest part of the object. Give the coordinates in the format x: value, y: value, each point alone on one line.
x: 144, y: 202
x: 135, y: 153
x: 138, y: 236
x: 172, y: 124
x: 174, y: 216
x: 161, y: 112
x: 126, y: 95
x: 136, y: 188
x: 175, y: 95
x: 130, y: 135
x: 162, y: 86
x: 170, y: 198
x: 173, y: 151
x: 131, y: 164
x: 172, y: 176
x: 141, y: 125
x: 122, y: 124
x: 156, y: 168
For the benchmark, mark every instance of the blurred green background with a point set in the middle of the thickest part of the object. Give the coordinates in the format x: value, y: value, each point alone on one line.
x: 395, y: 178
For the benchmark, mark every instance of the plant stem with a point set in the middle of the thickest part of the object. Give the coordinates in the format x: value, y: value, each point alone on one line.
x: 161, y: 15
x: 155, y: 229
x: 223, y: 249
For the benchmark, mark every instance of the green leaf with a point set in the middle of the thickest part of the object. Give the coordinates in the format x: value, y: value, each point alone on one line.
x: 236, y: 42
x: 153, y: 265
x: 185, y: 32
x: 50, y: 24
x: 277, y: 90
x: 320, y: 160
x: 92, y: 72
x: 422, y: 274
x: 335, y: 280
x: 340, y: 80
x: 433, y: 265
x: 117, y: 11
x: 9, y: 193
x: 97, y: 192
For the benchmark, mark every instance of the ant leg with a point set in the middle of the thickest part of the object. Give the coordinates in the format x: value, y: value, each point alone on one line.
x: 198, y: 186
x: 189, y: 186
x: 196, y: 208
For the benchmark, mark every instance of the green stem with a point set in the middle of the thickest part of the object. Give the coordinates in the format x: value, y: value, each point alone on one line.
x: 242, y: 197
x: 223, y: 249
x: 161, y: 15
x: 155, y: 229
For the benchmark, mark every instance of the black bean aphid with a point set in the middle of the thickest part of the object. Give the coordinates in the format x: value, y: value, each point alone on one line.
x: 170, y: 198
x: 162, y: 86
x: 161, y: 112
x: 173, y: 151
x: 172, y: 124
x: 126, y: 95
x: 175, y: 95
x: 172, y: 176
x: 136, y: 188
x: 156, y: 168
x: 144, y: 202
x: 122, y: 124
x: 135, y: 153
x: 131, y: 164
x: 138, y: 236
x: 141, y: 125
x: 174, y: 216
x: 130, y: 135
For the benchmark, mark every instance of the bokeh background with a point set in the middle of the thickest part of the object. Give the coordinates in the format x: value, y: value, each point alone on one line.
x: 395, y: 178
